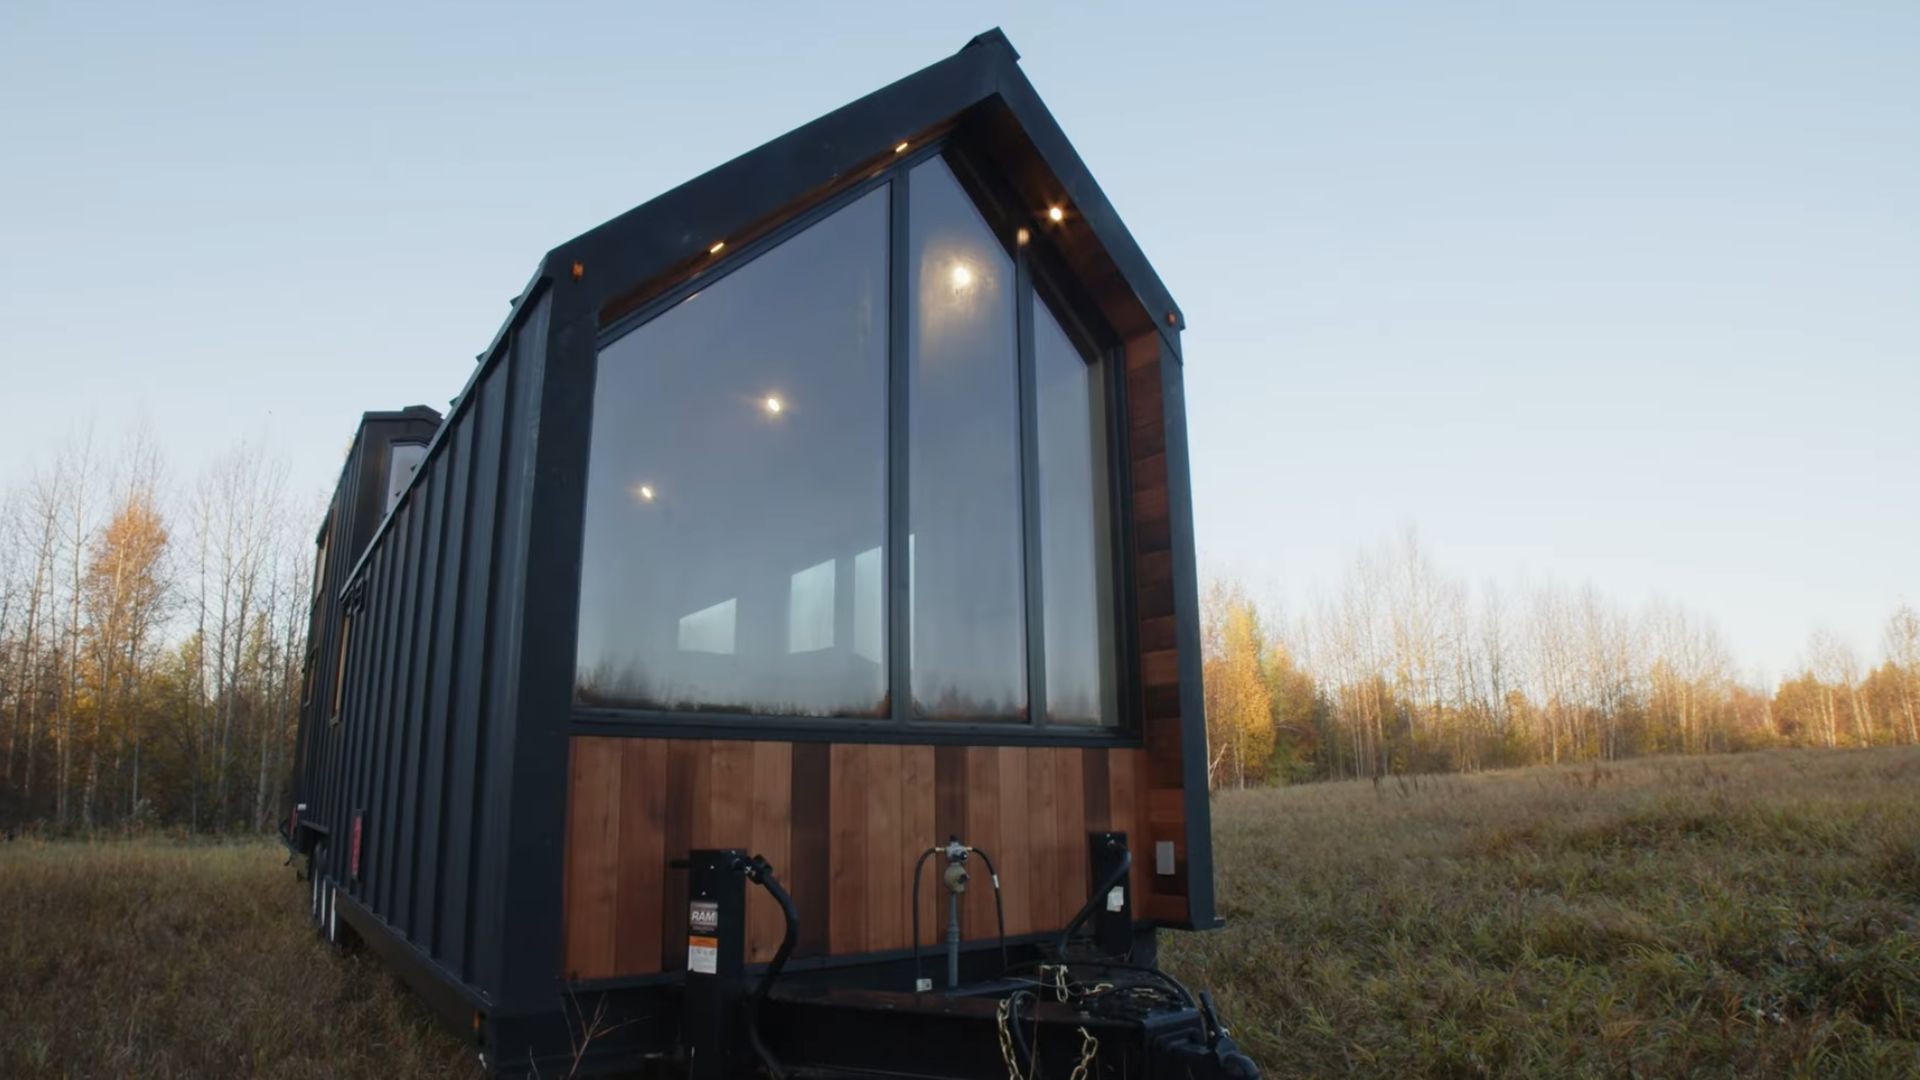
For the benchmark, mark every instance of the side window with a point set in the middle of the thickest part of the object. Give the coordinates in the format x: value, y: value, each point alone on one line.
x: 320, y: 563
x: 340, y: 662
x: 403, y: 460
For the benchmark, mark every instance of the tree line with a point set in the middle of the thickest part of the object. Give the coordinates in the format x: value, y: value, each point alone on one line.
x: 1406, y: 669
x: 153, y: 658
x: 152, y: 640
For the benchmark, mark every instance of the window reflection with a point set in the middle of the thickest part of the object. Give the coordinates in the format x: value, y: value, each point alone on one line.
x: 736, y: 489
x: 735, y: 557
x: 1073, y: 528
x: 966, y: 582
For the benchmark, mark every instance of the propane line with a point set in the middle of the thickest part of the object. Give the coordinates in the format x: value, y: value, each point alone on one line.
x: 956, y: 853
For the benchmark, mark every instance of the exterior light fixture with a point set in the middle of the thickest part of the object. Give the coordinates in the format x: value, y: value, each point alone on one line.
x: 1022, y: 237
x: 718, y: 246
x: 1056, y: 215
x: 644, y: 492
x: 774, y: 404
x: 962, y: 277
x: 901, y: 149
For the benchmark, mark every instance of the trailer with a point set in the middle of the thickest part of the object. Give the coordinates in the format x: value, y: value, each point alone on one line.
x: 783, y: 657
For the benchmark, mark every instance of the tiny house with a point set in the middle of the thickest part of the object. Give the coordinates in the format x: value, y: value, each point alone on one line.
x: 831, y: 507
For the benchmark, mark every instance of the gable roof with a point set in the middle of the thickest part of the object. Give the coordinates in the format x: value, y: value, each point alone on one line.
x: 980, y: 90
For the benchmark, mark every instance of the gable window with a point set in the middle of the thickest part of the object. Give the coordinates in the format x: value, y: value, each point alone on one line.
x: 969, y: 590
x: 738, y: 474
x: 762, y: 541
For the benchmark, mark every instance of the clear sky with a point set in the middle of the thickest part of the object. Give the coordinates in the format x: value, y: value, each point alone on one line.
x: 1624, y: 292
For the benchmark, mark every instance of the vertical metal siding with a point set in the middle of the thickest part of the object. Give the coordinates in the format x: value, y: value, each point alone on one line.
x: 526, y: 768
x: 432, y: 500
x: 430, y: 693
x: 519, y: 433
x: 406, y: 803
x: 463, y: 741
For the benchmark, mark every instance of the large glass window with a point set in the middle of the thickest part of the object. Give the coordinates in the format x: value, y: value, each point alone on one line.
x: 1074, y: 550
x: 736, y: 492
x: 968, y: 592
x: 736, y: 556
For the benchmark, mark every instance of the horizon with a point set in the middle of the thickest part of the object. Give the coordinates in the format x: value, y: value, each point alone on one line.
x: 1578, y: 302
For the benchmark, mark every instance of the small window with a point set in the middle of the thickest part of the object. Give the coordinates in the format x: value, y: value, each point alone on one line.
x: 403, y: 460
x: 306, y: 678
x: 320, y: 564
x: 340, y: 663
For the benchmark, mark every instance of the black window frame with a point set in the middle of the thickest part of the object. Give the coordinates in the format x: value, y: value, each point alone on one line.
x: 1041, y: 274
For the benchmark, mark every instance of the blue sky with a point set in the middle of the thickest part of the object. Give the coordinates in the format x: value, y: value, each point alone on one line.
x: 1627, y: 293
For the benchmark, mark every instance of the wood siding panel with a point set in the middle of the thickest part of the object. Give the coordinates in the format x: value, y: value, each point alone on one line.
x: 919, y: 798
x: 842, y: 825
x: 977, y: 919
x: 847, y: 805
x: 1015, y: 857
x: 770, y: 831
x: 887, y: 855
x: 593, y: 859
x: 1070, y: 825
x: 643, y: 854
x: 1043, y: 803
x: 812, y: 872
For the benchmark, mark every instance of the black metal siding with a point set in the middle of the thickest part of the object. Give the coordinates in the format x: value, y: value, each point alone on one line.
x: 430, y: 692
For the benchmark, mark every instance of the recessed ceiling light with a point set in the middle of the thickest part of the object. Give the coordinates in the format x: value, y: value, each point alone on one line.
x: 718, y: 247
x: 1056, y: 215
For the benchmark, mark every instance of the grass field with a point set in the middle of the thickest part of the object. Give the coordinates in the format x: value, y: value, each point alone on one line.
x: 169, y: 960
x: 1756, y: 915
x: 1752, y: 915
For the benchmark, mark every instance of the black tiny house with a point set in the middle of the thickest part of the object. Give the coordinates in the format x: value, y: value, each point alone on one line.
x: 831, y: 507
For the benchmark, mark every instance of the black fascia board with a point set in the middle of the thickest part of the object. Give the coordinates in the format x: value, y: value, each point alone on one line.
x: 677, y: 228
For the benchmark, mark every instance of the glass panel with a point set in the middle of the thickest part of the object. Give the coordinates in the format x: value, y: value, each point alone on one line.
x: 810, y: 609
x: 967, y: 601
x: 1074, y: 543
x: 403, y: 461
x: 736, y: 493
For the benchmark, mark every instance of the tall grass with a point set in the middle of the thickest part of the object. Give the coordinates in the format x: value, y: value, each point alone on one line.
x: 1756, y: 915
x: 1751, y: 915
x: 159, y: 959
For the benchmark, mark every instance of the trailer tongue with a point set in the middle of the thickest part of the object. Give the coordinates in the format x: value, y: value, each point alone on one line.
x: 1086, y: 1012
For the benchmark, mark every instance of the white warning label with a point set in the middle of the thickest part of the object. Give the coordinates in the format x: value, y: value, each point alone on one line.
x: 703, y: 955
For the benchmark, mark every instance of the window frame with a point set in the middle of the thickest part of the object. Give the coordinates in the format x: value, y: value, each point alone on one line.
x: 1041, y: 275
x: 337, y: 705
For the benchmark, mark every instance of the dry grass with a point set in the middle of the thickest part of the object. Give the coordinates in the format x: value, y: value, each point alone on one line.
x: 1753, y: 915
x: 1740, y: 916
x: 168, y: 960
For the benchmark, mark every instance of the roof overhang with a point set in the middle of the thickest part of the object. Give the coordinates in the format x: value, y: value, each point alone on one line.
x: 979, y: 94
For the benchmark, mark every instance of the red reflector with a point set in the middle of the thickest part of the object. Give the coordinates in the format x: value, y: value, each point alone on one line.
x: 353, y: 850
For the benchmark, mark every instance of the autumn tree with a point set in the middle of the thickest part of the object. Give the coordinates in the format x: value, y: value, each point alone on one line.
x: 1239, y: 704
